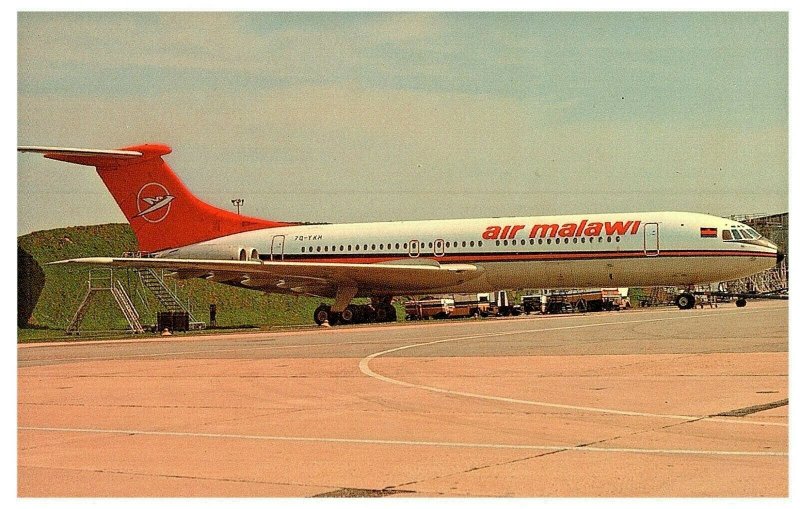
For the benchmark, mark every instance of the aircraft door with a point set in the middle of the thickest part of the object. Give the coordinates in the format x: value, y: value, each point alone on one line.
x: 413, y: 248
x: 277, y: 247
x: 651, y: 240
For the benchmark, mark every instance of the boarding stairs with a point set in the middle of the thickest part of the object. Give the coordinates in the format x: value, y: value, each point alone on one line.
x: 154, y: 282
x: 117, y: 290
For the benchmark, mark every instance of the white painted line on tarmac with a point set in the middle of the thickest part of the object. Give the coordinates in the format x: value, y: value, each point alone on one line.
x: 201, y: 352
x: 363, y: 365
x: 415, y: 443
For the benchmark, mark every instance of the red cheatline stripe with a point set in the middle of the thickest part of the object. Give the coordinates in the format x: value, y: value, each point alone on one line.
x: 515, y: 257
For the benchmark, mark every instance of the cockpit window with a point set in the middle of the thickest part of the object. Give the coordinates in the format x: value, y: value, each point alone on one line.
x: 746, y: 234
x: 736, y: 235
x: 754, y: 233
x: 726, y: 235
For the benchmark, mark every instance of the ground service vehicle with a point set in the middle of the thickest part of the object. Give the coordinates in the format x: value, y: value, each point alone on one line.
x: 531, y: 304
x: 427, y: 308
x: 589, y: 300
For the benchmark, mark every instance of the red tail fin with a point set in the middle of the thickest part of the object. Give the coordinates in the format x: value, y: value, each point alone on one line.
x: 162, y: 211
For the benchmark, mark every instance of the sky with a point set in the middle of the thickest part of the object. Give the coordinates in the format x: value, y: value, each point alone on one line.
x: 365, y: 116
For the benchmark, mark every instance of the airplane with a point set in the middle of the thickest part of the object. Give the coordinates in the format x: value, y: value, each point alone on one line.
x: 179, y: 232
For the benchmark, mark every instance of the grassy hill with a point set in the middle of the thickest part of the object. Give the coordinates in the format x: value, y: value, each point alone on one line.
x: 64, y: 287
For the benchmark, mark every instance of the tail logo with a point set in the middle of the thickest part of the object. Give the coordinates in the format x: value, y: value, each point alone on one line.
x: 153, y: 202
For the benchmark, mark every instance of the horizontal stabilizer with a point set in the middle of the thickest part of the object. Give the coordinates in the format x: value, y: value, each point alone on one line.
x: 82, y: 152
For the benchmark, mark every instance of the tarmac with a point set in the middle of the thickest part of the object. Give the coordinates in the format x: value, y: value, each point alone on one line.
x: 639, y: 403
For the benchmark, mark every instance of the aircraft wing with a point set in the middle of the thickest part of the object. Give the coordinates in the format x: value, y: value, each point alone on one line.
x: 302, y: 277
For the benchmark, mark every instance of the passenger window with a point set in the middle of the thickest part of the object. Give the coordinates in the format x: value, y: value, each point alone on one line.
x: 480, y: 243
x: 583, y: 240
x: 471, y: 243
x: 726, y: 235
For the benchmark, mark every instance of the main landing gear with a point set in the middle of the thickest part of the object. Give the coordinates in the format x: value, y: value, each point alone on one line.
x: 379, y: 310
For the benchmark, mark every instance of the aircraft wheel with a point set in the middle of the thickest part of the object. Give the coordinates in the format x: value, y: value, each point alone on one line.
x: 347, y: 315
x: 386, y: 313
x: 685, y: 301
x: 740, y: 303
x: 368, y: 314
x: 322, y: 313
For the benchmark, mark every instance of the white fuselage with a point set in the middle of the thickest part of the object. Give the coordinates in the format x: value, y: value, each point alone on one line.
x: 571, y: 251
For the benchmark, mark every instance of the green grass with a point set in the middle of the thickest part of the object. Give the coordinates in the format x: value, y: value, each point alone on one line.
x: 65, y: 287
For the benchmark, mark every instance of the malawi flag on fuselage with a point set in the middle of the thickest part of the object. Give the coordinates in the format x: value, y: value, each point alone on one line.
x: 708, y: 232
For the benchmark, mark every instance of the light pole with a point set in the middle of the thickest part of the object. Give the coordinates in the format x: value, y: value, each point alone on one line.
x: 238, y: 202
